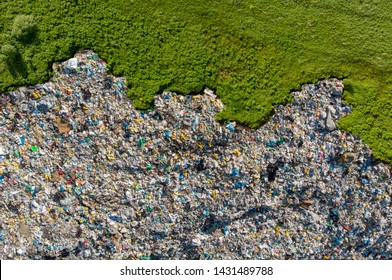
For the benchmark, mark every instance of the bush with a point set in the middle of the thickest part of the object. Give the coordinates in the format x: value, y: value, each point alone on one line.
x: 24, y: 27
x: 8, y: 54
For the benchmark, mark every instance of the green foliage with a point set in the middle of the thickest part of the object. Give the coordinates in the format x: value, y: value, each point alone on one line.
x: 252, y: 52
x: 8, y: 56
x: 371, y: 118
x: 24, y: 27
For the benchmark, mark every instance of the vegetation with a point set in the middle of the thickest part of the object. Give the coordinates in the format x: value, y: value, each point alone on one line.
x: 8, y: 55
x: 252, y: 52
x: 24, y: 28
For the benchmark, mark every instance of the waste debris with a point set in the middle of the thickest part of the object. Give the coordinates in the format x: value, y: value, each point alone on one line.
x: 84, y: 175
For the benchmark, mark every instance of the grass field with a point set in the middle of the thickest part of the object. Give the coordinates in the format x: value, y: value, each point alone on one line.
x: 252, y: 52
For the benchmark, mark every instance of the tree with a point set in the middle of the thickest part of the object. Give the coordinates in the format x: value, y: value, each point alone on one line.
x: 8, y: 54
x: 24, y: 27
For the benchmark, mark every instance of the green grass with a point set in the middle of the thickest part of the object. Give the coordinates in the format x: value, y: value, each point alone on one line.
x: 252, y: 52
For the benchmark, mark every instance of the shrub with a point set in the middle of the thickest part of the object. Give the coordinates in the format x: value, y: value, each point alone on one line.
x: 8, y: 54
x: 24, y: 27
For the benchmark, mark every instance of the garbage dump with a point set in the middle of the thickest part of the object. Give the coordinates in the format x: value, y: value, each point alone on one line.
x: 84, y: 175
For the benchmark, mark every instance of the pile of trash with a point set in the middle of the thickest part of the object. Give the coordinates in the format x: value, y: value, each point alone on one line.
x: 84, y: 175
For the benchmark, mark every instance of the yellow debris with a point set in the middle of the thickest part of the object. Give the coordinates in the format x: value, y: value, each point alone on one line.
x: 237, y: 153
x: 277, y: 229
x: 36, y: 95
x: 214, y: 194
